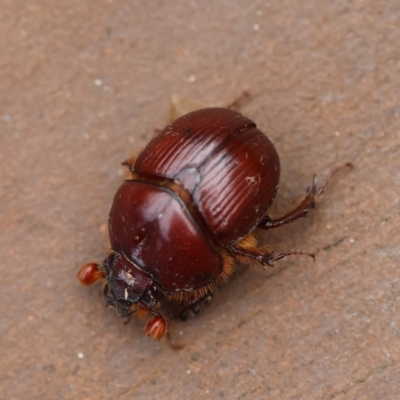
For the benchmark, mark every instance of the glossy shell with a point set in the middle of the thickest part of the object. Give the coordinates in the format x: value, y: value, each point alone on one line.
x: 230, y: 168
x: 152, y: 227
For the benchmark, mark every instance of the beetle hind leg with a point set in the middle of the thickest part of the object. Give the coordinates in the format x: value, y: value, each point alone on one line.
x: 266, y: 258
x: 308, y: 202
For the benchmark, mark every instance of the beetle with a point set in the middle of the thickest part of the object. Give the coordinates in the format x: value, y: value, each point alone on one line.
x: 188, y: 214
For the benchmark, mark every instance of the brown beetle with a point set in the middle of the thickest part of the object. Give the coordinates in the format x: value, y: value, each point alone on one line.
x: 188, y: 213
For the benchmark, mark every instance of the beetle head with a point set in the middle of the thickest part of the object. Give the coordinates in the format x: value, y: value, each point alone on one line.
x: 126, y: 285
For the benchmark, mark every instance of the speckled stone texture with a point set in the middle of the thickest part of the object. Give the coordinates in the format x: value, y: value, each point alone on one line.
x: 83, y: 86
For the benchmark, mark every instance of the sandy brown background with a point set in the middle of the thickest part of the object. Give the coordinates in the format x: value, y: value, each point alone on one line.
x: 84, y: 83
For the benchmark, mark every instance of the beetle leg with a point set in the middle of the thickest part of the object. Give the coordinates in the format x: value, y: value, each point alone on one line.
x: 194, y: 306
x: 267, y: 259
x: 239, y: 101
x: 129, y: 163
x: 301, y: 210
x: 109, y: 300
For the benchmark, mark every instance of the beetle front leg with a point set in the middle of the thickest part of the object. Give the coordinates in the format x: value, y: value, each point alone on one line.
x: 194, y: 306
x: 266, y: 259
x: 301, y: 210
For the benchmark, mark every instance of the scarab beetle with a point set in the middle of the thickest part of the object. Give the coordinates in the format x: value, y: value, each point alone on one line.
x: 188, y: 213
